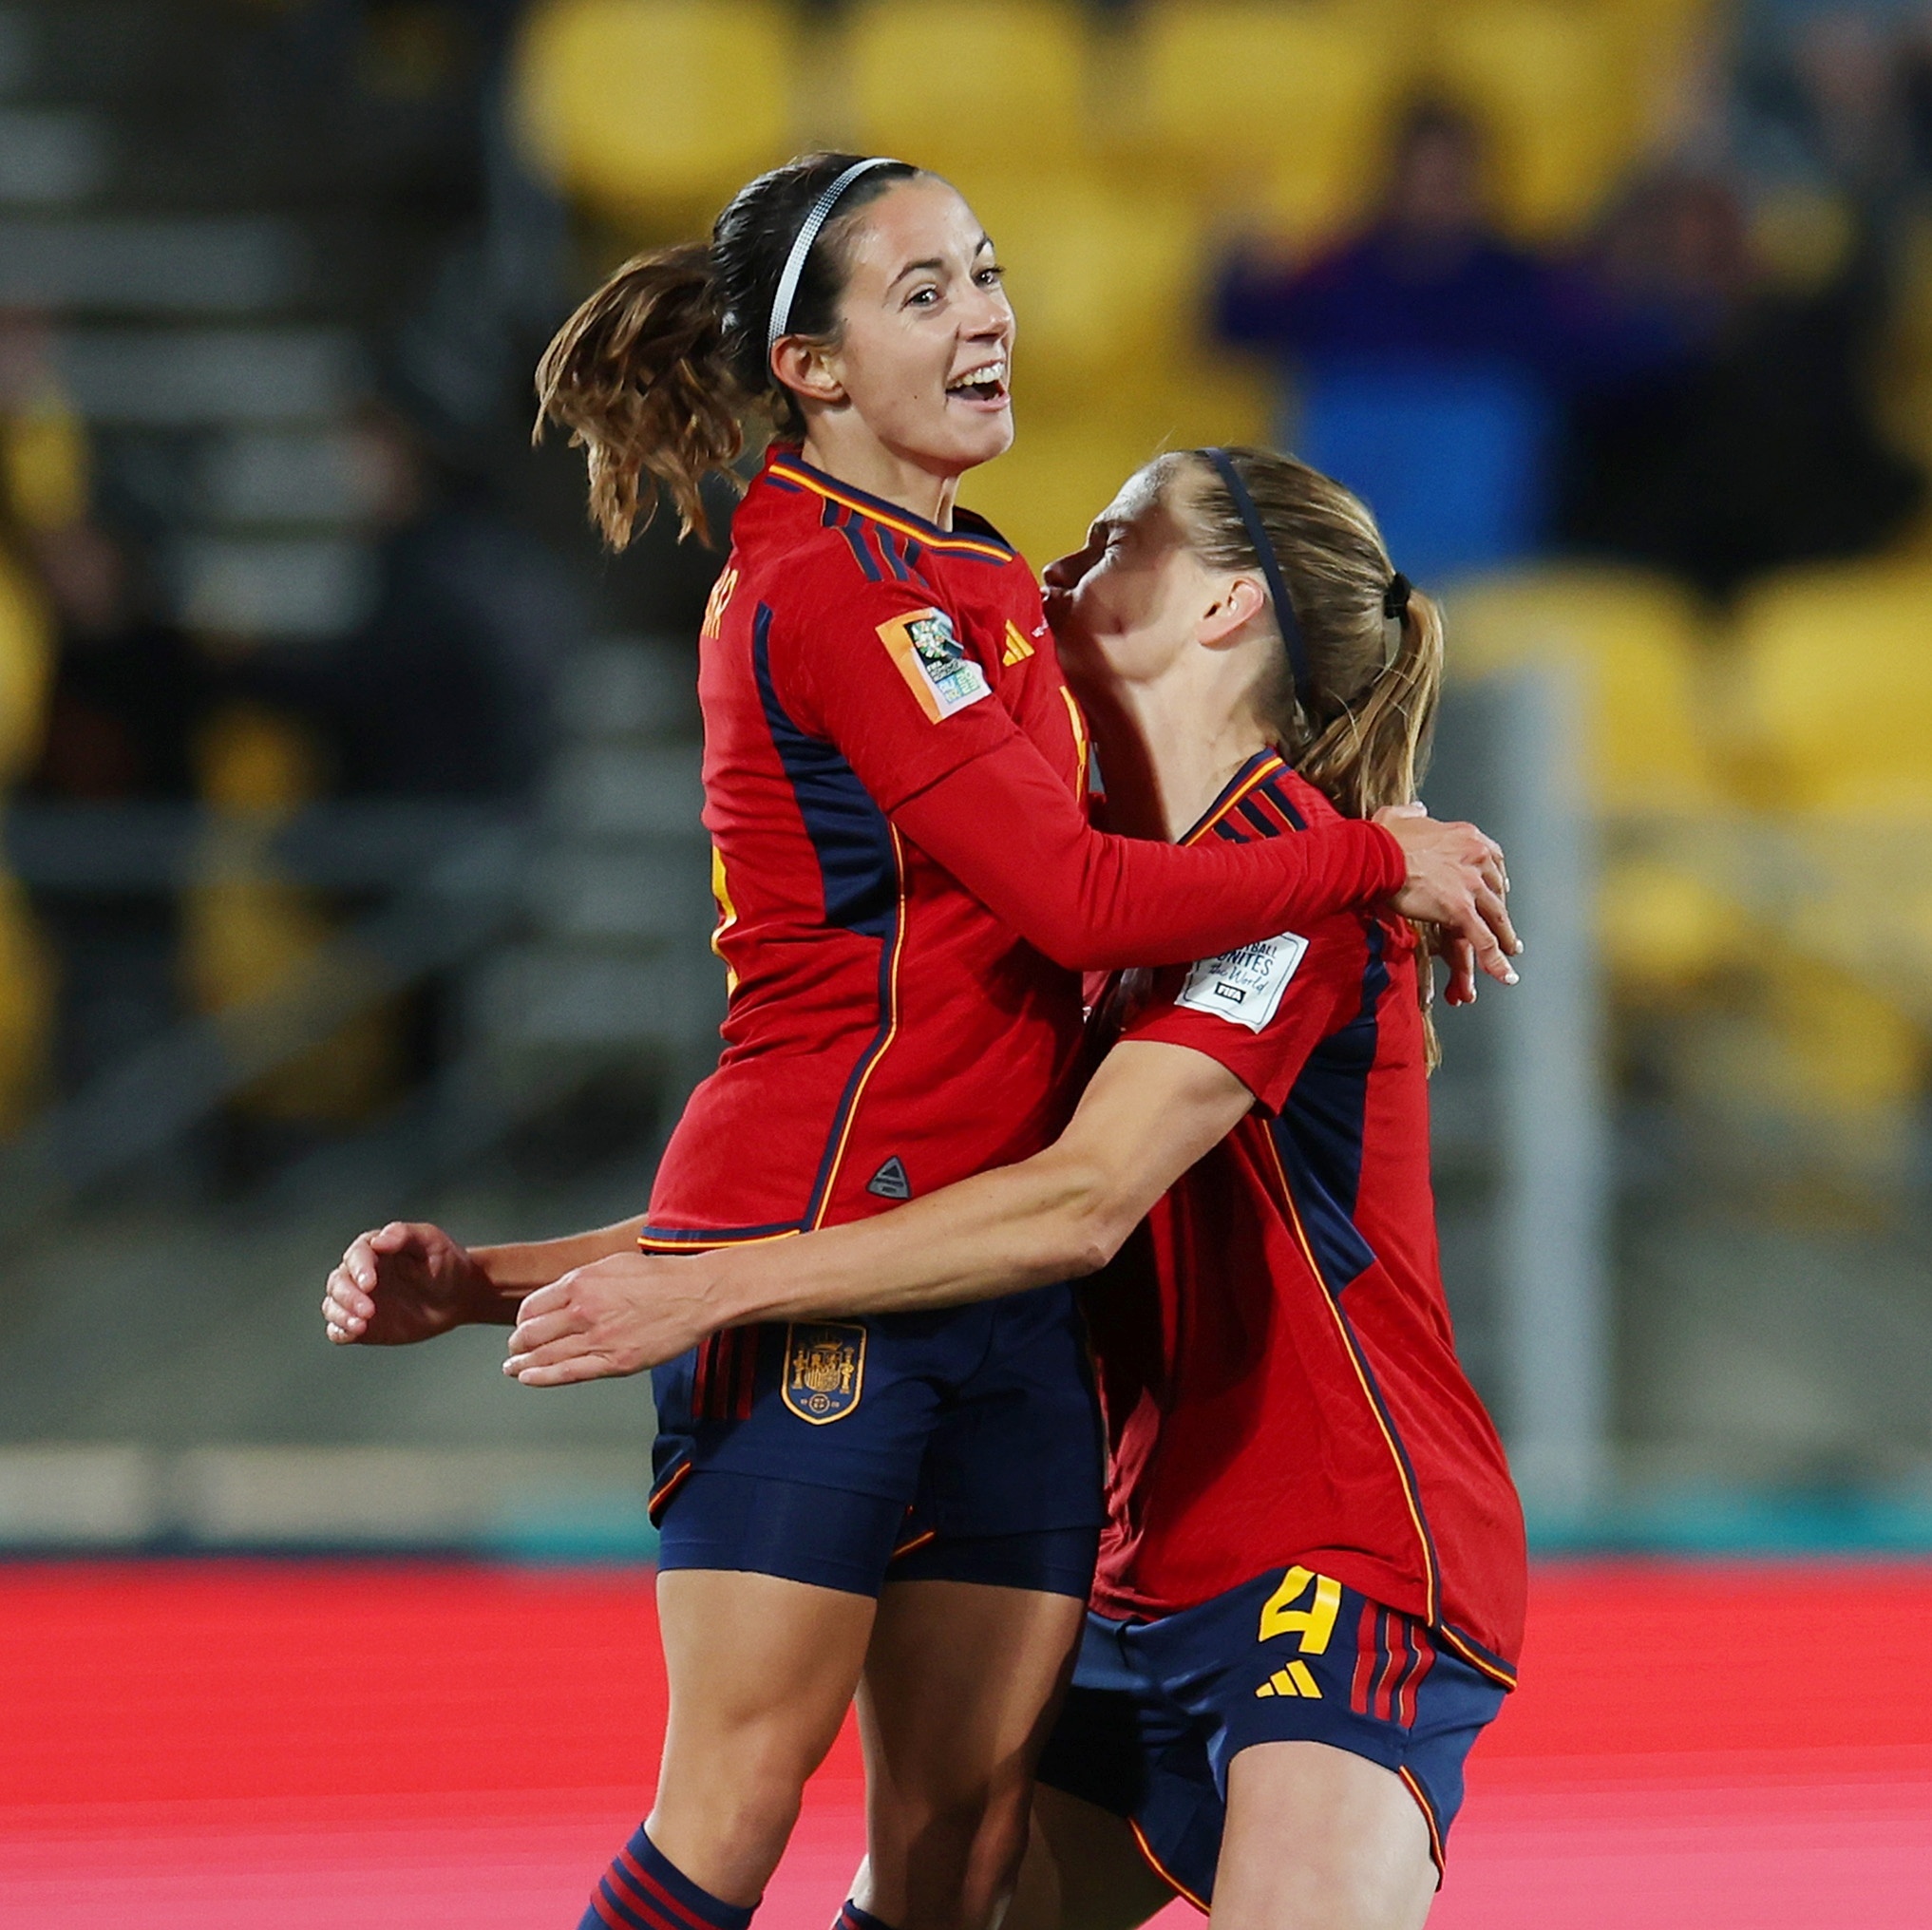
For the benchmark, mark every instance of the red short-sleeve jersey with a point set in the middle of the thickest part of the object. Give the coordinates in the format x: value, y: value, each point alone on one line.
x: 886, y: 1033
x: 1277, y: 1362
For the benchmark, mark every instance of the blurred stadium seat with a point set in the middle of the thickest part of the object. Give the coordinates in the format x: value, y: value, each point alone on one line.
x: 1636, y: 639
x: 26, y: 1010
x: 246, y: 933
x: 1834, y: 687
x: 26, y: 994
x: 958, y: 83
x: 1555, y: 86
x: 1279, y: 109
x: 1822, y: 1058
x: 1106, y: 282
x: 1664, y: 926
x: 25, y: 670
x: 657, y: 110
x: 1068, y: 465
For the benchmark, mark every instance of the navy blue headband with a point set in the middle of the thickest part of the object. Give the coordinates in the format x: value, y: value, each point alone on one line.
x: 1285, y: 618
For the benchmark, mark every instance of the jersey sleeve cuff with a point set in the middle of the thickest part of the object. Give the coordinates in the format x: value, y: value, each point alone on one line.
x: 1390, y: 867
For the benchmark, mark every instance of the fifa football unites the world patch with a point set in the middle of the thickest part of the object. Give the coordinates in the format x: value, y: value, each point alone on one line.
x: 1244, y: 986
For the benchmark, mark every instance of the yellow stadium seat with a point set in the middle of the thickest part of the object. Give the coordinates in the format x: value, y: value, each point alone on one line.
x: 1067, y: 465
x: 1823, y: 1059
x: 45, y: 462
x: 955, y: 84
x: 1635, y: 638
x: 1282, y: 107
x: 1663, y: 929
x: 26, y: 669
x: 26, y: 1011
x: 1059, y: 475
x: 246, y: 932
x: 26, y: 978
x: 656, y: 109
x: 1103, y: 280
x: 1558, y: 87
x: 1834, y: 687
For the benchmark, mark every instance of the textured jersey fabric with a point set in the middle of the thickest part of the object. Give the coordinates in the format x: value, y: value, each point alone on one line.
x: 1277, y: 1362
x: 895, y: 786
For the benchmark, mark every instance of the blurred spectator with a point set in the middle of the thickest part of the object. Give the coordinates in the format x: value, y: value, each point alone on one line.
x: 128, y: 688
x: 446, y: 690
x: 1433, y: 353
x: 1762, y: 448
x: 1834, y: 93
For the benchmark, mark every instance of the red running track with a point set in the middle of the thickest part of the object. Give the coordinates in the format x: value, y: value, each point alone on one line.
x: 200, y: 1746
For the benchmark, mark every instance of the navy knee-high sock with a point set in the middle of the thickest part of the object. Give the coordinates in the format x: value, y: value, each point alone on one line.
x: 644, y: 1890
x: 851, y: 1917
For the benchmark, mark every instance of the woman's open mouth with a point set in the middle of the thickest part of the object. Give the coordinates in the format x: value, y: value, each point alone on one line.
x: 984, y: 386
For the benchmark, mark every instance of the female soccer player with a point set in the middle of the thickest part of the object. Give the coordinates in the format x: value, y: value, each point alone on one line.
x: 894, y: 777
x: 1311, y: 1581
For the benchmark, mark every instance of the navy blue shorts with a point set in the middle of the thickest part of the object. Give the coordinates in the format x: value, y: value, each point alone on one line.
x: 963, y: 1444
x: 1158, y: 1709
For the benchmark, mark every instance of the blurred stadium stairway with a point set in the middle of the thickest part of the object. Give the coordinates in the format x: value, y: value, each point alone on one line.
x: 231, y: 220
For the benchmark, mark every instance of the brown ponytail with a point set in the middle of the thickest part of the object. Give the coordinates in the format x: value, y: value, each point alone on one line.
x: 655, y: 374
x: 640, y: 377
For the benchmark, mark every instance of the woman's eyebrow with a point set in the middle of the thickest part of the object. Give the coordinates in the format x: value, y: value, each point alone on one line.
x: 933, y: 265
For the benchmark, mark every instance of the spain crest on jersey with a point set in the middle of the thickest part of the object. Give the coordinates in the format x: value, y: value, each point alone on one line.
x: 825, y: 1369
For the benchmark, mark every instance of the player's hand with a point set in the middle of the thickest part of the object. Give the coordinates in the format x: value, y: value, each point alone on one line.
x: 401, y: 1283
x: 613, y: 1316
x: 1456, y: 880
x: 1459, y: 956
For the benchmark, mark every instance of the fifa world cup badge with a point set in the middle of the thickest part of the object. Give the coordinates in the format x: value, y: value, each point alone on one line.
x: 934, y: 662
x: 825, y: 1369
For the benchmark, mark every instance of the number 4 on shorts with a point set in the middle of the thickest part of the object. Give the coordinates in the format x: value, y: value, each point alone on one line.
x: 1314, y: 1623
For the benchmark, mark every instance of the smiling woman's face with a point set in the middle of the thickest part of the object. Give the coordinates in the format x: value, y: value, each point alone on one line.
x: 1130, y: 599
x: 926, y: 340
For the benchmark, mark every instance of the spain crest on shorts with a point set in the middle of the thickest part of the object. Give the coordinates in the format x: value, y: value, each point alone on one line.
x: 825, y: 1369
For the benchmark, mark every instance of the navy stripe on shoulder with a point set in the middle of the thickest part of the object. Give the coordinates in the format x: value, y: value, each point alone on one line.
x: 1276, y: 792
x: 1258, y: 818
x: 1319, y: 1130
x: 848, y: 526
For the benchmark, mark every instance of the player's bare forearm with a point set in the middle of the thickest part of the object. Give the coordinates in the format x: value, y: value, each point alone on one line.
x: 519, y: 1268
x: 1150, y: 1112
x: 405, y: 1282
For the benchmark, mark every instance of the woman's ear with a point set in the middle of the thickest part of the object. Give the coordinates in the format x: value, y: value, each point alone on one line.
x: 802, y: 366
x: 1239, y: 602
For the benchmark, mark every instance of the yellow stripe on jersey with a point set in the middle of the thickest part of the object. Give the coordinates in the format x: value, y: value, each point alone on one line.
x: 728, y: 915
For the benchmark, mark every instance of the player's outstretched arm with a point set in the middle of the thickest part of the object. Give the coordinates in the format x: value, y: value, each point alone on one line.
x: 410, y: 1282
x: 1151, y: 1110
x: 1010, y: 831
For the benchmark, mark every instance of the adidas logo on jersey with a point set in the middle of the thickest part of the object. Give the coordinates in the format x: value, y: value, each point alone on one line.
x: 889, y: 1181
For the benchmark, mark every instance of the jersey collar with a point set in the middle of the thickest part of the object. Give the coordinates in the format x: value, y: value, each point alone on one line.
x: 785, y: 465
x: 1250, y: 777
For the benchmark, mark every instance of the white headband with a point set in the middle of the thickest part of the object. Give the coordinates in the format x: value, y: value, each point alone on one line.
x: 802, y: 245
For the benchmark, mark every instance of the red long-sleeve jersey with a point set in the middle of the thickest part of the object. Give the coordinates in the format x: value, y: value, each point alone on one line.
x: 1276, y: 1365
x: 895, y: 786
